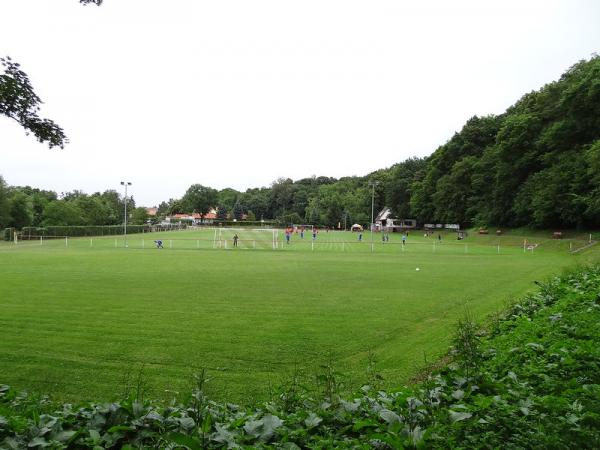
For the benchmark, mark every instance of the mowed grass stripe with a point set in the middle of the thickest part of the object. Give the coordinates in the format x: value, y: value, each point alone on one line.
x: 76, y: 321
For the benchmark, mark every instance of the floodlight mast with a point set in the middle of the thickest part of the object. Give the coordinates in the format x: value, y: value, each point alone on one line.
x: 372, y: 183
x: 125, y: 183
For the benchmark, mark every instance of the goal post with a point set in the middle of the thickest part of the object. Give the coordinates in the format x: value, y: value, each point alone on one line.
x: 246, y: 238
x: 302, y: 229
x: 298, y: 227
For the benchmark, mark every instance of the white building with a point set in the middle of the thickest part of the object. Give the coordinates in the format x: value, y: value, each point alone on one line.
x: 385, y: 222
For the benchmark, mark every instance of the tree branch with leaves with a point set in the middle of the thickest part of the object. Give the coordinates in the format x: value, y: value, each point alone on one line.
x: 19, y: 101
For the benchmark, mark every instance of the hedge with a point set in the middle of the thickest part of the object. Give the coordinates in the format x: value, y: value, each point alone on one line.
x: 73, y: 231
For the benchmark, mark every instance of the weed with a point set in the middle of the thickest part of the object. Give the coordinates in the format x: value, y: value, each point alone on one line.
x: 466, y: 345
x: 374, y: 377
x: 329, y: 383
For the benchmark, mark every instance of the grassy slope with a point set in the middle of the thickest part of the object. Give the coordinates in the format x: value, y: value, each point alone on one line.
x: 76, y: 321
x: 537, y: 384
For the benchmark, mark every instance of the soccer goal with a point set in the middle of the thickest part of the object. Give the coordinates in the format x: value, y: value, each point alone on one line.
x: 300, y: 227
x: 246, y: 238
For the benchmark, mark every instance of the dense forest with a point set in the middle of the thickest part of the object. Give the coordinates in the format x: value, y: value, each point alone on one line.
x: 537, y: 164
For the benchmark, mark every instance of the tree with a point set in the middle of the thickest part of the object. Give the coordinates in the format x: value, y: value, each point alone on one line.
x: 282, y: 192
x: 429, y: 186
x: 4, y: 205
x: 163, y: 209
x: 21, y: 210
x: 312, y: 212
x: 139, y: 216
x: 115, y: 206
x: 39, y: 199
x: 227, y: 197
x: 238, y: 211
x: 62, y: 213
x: 451, y: 199
x: 329, y: 205
x: 258, y: 200
x: 300, y: 198
x: 531, y: 166
x: 199, y: 198
x: 288, y: 219
x: 19, y: 101
x: 222, y: 212
x: 94, y: 210
x: 399, y: 186
x: 592, y: 199
x: 176, y: 206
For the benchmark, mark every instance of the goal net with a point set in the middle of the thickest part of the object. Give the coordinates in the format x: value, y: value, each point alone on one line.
x: 253, y: 238
x: 300, y: 228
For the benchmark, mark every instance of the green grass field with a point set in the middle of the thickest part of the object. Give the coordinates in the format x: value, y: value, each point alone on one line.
x: 81, y: 316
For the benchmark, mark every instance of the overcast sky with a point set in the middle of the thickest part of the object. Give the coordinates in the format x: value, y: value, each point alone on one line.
x: 237, y: 93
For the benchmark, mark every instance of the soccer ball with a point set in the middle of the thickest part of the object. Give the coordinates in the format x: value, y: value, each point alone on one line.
x: 417, y: 269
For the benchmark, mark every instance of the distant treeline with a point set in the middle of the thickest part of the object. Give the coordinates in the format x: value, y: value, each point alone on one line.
x: 538, y: 165
x: 22, y: 207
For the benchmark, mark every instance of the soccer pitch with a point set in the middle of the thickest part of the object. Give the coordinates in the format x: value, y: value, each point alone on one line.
x: 82, y: 315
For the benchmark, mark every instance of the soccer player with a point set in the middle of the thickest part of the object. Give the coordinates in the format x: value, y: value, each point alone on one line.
x: 158, y: 243
x: 235, y: 239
